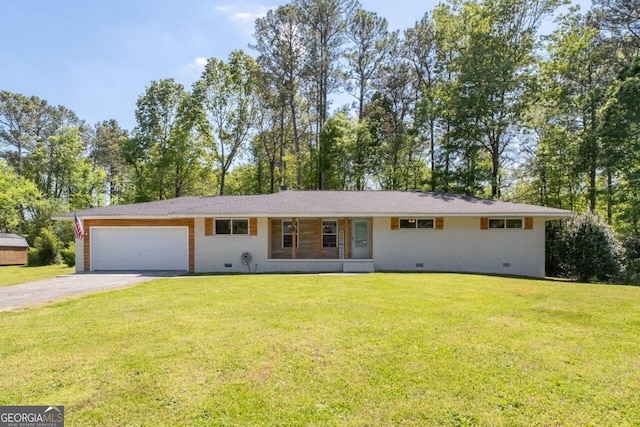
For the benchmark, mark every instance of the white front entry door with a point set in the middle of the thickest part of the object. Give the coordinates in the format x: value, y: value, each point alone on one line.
x: 360, y: 244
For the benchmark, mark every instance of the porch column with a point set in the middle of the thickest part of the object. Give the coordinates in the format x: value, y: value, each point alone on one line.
x: 320, y: 254
x: 347, y: 239
x: 294, y: 238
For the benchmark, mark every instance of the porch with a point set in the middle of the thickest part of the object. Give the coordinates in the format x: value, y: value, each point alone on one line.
x: 321, y: 239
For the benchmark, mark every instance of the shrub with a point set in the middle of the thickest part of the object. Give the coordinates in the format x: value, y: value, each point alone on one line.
x: 587, y: 249
x: 46, y: 245
x: 33, y: 257
x: 68, y: 254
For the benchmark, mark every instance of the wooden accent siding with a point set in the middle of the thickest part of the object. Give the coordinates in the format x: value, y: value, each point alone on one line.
x: 253, y: 226
x: 439, y: 223
x: 395, y: 223
x: 208, y: 226
x: 528, y: 223
x: 484, y: 223
x: 310, y: 240
x: 88, y: 223
x: 13, y: 256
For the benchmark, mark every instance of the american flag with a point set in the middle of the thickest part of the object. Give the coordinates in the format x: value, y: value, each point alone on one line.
x: 78, y: 230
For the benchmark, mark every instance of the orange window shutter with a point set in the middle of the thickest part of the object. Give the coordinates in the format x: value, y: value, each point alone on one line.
x: 439, y: 223
x: 253, y: 226
x: 484, y: 223
x: 208, y: 226
x: 395, y: 223
x: 528, y: 223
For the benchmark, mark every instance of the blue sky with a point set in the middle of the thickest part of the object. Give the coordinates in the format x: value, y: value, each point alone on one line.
x: 96, y: 57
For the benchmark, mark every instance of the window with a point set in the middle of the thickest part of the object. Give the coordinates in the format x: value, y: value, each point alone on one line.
x: 329, y: 234
x: 240, y: 226
x: 501, y: 223
x: 232, y: 226
x: 413, y: 223
x: 287, y: 234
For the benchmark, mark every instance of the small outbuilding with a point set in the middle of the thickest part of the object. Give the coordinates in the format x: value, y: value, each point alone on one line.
x: 13, y: 249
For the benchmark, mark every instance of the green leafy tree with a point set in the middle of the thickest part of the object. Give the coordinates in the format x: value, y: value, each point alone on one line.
x: 371, y: 44
x: 225, y: 93
x: 620, y: 134
x: 16, y: 195
x: 493, y: 69
x: 105, y: 153
x: 166, y: 152
x: 280, y: 44
x: 337, y: 140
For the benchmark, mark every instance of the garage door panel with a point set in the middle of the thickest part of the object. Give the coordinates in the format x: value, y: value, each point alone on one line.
x: 140, y: 248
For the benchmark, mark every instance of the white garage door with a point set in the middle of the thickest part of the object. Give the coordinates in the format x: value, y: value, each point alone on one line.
x: 139, y: 248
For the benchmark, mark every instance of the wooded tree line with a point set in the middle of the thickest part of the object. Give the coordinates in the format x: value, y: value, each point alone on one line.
x: 471, y: 99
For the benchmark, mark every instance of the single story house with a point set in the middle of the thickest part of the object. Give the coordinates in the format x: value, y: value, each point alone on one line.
x: 317, y: 231
x: 13, y: 249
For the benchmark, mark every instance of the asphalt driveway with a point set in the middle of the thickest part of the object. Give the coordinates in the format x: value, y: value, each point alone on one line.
x: 44, y: 291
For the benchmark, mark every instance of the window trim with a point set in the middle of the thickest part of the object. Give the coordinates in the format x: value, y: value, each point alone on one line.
x: 504, y: 223
x: 231, y: 221
x: 297, y: 225
x: 415, y: 221
x: 330, y: 234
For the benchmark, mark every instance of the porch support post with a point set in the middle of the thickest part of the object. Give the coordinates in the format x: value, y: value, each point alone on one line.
x: 347, y: 239
x: 320, y: 254
x: 294, y: 238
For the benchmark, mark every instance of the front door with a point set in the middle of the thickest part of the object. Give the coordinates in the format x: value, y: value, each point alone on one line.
x: 360, y: 244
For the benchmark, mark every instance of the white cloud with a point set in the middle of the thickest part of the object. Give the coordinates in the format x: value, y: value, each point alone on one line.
x: 198, y: 63
x: 244, y: 13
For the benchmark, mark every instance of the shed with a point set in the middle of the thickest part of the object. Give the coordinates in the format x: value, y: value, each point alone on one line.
x: 13, y: 249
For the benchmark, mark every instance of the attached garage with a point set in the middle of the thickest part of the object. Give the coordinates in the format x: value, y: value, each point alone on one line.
x: 139, y: 248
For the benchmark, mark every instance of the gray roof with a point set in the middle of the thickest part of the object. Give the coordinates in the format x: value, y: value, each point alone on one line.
x: 324, y: 203
x: 12, y: 241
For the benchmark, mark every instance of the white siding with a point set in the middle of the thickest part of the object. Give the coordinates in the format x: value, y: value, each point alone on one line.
x: 80, y: 256
x: 461, y: 246
x: 213, y: 252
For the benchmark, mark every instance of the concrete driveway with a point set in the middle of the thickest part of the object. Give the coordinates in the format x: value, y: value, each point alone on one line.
x: 44, y: 291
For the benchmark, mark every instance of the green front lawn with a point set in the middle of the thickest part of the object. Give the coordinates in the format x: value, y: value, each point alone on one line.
x: 13, y: 275
x: 360, y: 350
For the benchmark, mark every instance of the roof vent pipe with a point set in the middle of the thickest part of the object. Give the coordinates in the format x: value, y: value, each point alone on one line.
x: 284, y: 188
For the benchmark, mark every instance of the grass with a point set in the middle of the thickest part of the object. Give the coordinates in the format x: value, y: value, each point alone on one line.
x: 380, y: 349
x: 13, y: 275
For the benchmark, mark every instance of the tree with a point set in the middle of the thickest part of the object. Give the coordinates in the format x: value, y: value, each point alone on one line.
x: 492, y: 70
x: 282, y: 52
x: 323, y: 24
x: 421, y: 49
x: 225, y: 93
x: 105, y: 153
x: 620, y: 134
x: 371, y: 45
x: 165, y: 151
x: 16, y: 194
x: 23, y: 123
x: 589, y: 249
x: 337, y: 140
